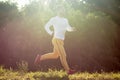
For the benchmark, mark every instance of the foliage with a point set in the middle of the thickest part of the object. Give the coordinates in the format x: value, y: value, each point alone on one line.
x: 2, y: 70
x: 22, y: 66
x: 58, y: 75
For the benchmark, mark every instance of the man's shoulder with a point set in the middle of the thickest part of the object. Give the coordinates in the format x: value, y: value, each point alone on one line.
x: 53, y: 18
x: 56, y: 18
x: 65, y: 19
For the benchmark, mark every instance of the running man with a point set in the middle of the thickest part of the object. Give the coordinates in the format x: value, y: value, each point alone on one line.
x: 60, y: 25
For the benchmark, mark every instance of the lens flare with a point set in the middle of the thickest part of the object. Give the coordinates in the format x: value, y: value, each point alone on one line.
x: 22, y: 3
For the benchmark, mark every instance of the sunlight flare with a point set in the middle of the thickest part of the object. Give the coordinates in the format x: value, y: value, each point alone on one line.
x: 22, y: 3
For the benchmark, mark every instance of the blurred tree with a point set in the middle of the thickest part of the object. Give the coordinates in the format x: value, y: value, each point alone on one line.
x: 110, y: 7
x: 8, y: 12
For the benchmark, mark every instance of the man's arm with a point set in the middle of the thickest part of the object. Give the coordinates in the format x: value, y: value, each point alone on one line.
x: 69, y: 28
x: 47, y: 27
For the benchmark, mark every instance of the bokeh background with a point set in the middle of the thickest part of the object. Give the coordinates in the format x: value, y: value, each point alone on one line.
x: 95, y: 46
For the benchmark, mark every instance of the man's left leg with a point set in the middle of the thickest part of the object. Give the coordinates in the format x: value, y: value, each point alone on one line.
x: 59, y: 47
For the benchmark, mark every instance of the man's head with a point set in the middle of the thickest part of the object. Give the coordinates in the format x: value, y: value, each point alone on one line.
x: 60, y: 11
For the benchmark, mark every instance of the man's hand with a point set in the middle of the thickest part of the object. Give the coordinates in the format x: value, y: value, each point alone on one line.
x: 73, y: 29
x: 51, y: 33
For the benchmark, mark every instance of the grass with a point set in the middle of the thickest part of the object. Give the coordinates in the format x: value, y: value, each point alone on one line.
x: 10, y: 74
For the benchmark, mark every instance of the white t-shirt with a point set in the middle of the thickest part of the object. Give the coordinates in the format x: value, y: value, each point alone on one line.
x: 60, y: 26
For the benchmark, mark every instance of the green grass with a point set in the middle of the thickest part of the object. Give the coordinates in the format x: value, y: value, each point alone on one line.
x: 55, y: 75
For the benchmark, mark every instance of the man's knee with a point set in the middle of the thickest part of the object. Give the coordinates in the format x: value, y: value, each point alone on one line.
x: 56, y: 55
x: 63, y: 55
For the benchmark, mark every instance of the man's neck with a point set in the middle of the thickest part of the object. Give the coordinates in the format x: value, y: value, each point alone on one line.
x: 60, y: 16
